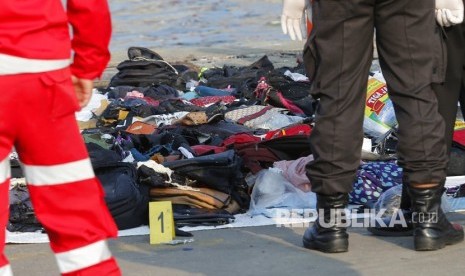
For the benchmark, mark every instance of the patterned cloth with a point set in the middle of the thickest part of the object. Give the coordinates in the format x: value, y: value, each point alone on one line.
x: 262, y: 117
x: 208, y: 100
x: 374, y: 178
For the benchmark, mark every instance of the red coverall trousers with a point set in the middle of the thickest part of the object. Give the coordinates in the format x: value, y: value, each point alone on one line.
x: 37, y: 118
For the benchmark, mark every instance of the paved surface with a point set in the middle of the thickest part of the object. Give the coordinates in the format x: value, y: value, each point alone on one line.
x: 265, y: 250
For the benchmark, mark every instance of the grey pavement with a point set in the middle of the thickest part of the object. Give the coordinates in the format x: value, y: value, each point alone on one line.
x: 264, y: 250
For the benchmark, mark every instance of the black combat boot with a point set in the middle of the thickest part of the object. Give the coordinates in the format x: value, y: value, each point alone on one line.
x: 432, y: 230
x: 328, y: 233
x: 389, y: 226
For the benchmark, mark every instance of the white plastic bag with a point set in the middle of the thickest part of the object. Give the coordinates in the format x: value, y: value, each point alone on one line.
x: 390, y: 201
x: 272, y: 190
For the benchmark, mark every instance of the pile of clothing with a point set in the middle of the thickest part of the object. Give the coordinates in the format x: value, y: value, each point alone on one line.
x: 199, y: 137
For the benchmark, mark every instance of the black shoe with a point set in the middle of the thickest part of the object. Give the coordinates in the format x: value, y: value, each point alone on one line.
x: 329, y: 236
x: 428, y: 239
x: 432, y: 230
x: 326, y: 240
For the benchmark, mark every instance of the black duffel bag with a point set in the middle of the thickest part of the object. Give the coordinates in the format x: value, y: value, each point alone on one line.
x: 188, y: 216
x: 216, y: 171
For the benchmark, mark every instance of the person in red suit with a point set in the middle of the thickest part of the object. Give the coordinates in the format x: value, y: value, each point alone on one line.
x: 46, y: 75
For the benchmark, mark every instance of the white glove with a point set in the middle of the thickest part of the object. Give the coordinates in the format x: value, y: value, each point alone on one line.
x: 293, y: 20
x: 449, y: 12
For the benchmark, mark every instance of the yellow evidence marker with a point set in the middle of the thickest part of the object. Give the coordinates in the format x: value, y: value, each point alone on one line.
x: 161, y: 222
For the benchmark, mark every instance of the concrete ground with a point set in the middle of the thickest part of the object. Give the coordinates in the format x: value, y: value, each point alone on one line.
x: 265, y: 250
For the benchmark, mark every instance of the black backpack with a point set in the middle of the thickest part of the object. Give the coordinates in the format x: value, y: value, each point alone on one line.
x: 125, y: 198
x: 144, y: 68
x: 22, y: 217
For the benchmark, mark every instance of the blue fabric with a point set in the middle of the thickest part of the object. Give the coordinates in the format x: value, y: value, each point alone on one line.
x: 373, y: 178
x: 209, y: 91
x: 145, y: 156
x: 138, y: 156
x: 190, y: 95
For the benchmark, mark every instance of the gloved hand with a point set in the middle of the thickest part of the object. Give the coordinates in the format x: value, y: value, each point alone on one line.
x: 293, y: 18
x: 449, y: 12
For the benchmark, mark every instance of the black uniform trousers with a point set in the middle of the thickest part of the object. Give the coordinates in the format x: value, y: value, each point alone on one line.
x: 411, y: 57
x: 449, y: 92
x: 453, y: 89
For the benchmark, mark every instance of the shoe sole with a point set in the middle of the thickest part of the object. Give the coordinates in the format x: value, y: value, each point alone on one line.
x: 335, y: 246
x: 428, y: 244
